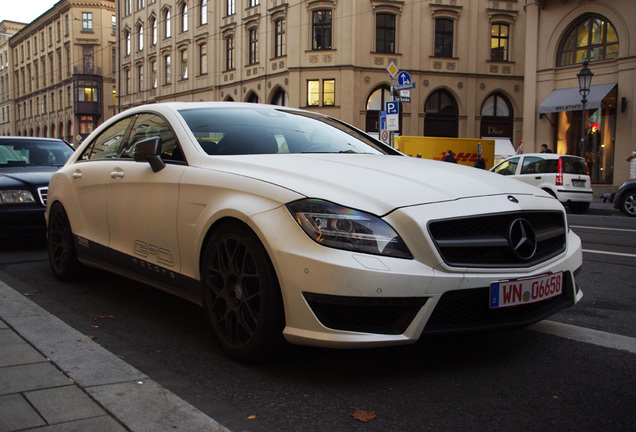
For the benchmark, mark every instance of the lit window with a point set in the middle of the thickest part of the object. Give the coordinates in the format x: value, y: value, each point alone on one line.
x: 499, y: 42
x: 591, y: 38
x: 313, y: 93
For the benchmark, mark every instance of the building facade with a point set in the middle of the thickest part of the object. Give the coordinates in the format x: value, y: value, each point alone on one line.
x: 561, y: 34
x: 332, y: 57
x: 7, y: 29
x: 63, y: 73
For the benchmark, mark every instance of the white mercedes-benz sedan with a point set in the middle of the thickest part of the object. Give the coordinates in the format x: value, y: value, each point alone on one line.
x: 287, y: 225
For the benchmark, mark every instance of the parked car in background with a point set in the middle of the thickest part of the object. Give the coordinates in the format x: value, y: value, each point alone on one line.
x: 565, y: 177
x: 288, y: 225
x: 625, y: 198
x: 26, y: 166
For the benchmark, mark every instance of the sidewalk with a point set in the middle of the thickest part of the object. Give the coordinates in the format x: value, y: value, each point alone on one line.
x: 55, y: 379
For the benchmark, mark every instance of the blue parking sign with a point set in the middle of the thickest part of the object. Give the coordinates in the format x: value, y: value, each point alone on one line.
x: 392, y: 108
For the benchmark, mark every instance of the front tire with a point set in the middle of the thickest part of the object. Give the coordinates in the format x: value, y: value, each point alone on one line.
x: 241, y: 295
x: 628, y: 205
x: 61, y: 246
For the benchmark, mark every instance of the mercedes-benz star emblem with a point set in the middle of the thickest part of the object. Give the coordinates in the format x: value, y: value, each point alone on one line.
x: 522, y: 239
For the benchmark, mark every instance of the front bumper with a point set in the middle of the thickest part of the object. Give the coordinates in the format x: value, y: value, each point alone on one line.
x: 335, y: 298
x: 18, y: 221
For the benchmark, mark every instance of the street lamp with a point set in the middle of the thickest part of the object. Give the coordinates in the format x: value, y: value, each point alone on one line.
x: 585, y: 82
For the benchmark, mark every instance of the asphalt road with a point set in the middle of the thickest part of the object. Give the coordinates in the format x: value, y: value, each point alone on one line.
x: 523, y: 380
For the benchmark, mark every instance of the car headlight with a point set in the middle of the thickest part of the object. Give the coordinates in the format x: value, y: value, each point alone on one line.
x: 16, y: 197
x: 339, y: 227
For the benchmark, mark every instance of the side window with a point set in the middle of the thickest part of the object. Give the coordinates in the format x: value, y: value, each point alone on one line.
x: 106, y: 145
x: 508, y: 167
x: 532, y: 165
x: 150, y: 126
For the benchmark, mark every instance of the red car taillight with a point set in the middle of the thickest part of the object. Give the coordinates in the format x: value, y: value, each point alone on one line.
x: 559, y: 176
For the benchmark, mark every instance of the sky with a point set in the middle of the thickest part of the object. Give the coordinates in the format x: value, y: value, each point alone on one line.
x: 24, y: 11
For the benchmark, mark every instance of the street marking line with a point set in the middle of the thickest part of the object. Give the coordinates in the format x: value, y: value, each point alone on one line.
x: 581, y: 334
x: 610, y: 253
x: 602, y: 228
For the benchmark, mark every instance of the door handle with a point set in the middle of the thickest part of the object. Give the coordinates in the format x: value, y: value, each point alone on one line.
x: 537, y: 178
x: 77, y: 175
x: 117, y: 175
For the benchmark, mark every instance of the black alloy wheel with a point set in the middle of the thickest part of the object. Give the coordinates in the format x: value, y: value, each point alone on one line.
x: 241, y: 294
x: 61, y: 247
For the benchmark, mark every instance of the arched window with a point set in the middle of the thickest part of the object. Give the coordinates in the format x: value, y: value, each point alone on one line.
x: 153, y: 26
x: 184, y: 18
x: 140, y: 37
x: 204, y: 12
x: 280, y: 98
x: 591, y: 37
x: 166, y: 19
x: 376, y: 103
x: 252, y: 98
x: 442, y: 115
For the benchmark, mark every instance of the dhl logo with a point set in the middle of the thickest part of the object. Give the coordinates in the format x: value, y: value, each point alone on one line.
x: 461, y: 157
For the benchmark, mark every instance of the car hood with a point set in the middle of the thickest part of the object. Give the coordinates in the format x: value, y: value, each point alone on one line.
x: 20, y: 177
x: 374, y: 183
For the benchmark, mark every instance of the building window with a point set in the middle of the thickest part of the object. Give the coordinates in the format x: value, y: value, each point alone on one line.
x: 329, y: 92
x: 113, y: 60
x: 442, y: 115
x: 230, y: 8
x: 321, y: 30
x: 140, y: 37
x: 313, y: 93
x: 443, y: 37
x: 68, y: 60
x: 184, y: 18
x: 167, y: 69
x: 279, y: 43
x: 591, y: 38
x: 203, y: 17
x: 140, y: 4
x: 87, y: 21
x: 59, y: 64
x: 499, y: 42
x: 87, y: 91
x: 254, y: 3
x: 127, y: 7
x: 153, y: 26
x: 317, y: 98
x: 229, y: 53
x: 153, y: 67
x: 66, y: 25
x: 59, y: 30
x: 184, y: 64
x: 385, y: 33
x: 166, y: 17
x: 114, y: 24
x: 203, y: 59
x: 253, y: 50
x: 140, y: 78
x: 127, y: 36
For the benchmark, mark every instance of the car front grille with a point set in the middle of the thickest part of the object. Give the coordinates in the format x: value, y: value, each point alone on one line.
x: 365, y: 314
x: 43, y: 193
x: 468, y: 309
x: 490, y: 241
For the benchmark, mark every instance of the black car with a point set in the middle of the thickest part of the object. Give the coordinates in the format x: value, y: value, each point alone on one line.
x: 625, y: 198
x: 26, y: 167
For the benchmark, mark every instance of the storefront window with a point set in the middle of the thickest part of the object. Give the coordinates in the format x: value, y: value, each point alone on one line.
x: 600, y: 128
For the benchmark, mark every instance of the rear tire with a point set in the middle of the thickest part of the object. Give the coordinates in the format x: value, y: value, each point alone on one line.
x: 628, y: 205
x: 241, y: 295
x: 61, y: 246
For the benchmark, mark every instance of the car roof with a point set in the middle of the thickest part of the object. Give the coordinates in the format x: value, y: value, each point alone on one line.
x: 21, y: 138
x: 546, y: 155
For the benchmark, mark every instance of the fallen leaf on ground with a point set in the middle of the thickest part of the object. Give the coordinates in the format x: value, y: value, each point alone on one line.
x: 363, y: 416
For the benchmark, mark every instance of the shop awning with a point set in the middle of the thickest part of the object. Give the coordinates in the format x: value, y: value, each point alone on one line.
x: 570, y: 100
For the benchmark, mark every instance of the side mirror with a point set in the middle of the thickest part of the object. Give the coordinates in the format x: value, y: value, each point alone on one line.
x: 149, y: 150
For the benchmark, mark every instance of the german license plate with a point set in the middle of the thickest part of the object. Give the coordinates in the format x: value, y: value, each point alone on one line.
x: 578, y: 183
x: 524, y: 291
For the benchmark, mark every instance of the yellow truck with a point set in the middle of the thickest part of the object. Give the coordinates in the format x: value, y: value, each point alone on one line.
x: 465, y: 150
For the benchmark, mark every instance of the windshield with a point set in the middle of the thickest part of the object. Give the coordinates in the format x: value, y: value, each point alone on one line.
x: 16, y: 152
x: 222, y: 131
